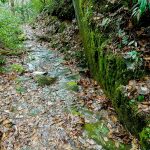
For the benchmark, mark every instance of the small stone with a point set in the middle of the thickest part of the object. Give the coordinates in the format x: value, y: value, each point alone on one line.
x: 19, y: 108
x: 81, y: 140
x: 143, y: 90
x: 90, y: 141
x: 105, y: 139
x: 98, y: 147
x: 19, y: 116
x: 49, y: 103
x: 7, y: 111
x: 132, y: 84
x: 39, y: 73
x: 129, y: 87
x: 34, y: 112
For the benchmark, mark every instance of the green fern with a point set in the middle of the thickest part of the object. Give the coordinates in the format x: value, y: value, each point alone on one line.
x: 140, y: 8
x: 143, y: 5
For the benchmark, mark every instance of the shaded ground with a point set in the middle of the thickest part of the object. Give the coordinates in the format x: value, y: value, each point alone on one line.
x: 59, y: 116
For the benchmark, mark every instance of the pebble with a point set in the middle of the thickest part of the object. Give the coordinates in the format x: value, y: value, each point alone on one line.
x: 143, y: 90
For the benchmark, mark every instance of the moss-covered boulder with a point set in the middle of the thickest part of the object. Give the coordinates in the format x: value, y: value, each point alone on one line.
x: 44, y: 80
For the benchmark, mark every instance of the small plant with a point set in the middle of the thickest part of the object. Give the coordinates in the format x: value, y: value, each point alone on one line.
x: 123, y: 38
x: 140, y: 98
x: 105, y: 23
x: 145, y: 136
x: 132, y: 102
x: 72, y: 85
x: 20, y: 89
x: 140, y: 8
x: 17, y: 68
x: 133, y: 60
x: 2, y: 70
x: 2, y: 60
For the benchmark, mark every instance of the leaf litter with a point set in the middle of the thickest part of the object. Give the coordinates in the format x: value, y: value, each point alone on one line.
x: 42, y: 117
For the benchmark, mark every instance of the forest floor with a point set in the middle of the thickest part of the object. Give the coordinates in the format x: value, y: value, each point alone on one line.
x: 47, y: 104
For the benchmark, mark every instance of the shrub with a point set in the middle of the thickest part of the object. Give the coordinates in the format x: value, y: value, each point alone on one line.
x: 39, y: 5
x: 9, y: 29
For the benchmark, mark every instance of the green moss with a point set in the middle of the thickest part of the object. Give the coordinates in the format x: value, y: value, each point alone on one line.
x: 44, y: 80
x: 99, y: 132
x: 72, y: 85
x: 75, y: 112
x: 145, y: 137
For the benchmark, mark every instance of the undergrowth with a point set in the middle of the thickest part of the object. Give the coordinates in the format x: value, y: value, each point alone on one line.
x: 9, y: 30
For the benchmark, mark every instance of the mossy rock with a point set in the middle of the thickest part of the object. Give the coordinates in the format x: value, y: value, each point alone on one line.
x: 44, y: 80
x: 99, y: 132
x: 72, y: 85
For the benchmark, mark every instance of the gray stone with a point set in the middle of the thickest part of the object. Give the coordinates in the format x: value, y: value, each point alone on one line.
x: 143, y: 90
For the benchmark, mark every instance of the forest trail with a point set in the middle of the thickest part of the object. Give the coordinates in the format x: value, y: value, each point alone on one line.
x: 37, y: 117
x: 74, y: 75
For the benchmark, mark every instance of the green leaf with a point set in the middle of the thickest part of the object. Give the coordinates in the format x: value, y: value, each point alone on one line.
x: 132, y: 102
x: 143, y: 5
x: 141, y: 98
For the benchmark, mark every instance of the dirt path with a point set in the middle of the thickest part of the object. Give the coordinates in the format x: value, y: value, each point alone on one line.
x: 34, y: 117
x: 50, y: 106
